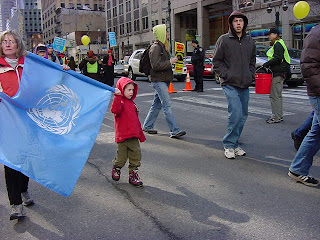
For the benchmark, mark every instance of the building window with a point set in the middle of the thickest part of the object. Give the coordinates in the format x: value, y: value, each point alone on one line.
x: 109, y: 29
x: 155, y: 23
x: 163, y: 21
x: 135, y: 4
x: 121, y: 29
x: 136, y: 25
x: 115, y: 29
x: 128, y: 6
x: 129, y: 29
x: 120, y: 9
x: 63, y: 5
x: 88, y: 6
x: 114, y: 11
x: 145, y: 24
x: 71, y: 5
x: 95, y: 7
x: 79, y: 6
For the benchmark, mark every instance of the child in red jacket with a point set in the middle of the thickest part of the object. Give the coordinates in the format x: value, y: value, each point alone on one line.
x: 128, y: 131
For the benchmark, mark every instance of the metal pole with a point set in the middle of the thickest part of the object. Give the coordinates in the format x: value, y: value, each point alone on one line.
x: 169, y: 11
x: 277, y: 22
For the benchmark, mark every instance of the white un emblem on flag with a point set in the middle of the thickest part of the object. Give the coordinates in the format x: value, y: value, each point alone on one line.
x: 56, y: 111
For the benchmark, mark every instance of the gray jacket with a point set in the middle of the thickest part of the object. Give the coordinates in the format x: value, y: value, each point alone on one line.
x: 310, y: 61
x: 161, y: 70
x: 234, y: 58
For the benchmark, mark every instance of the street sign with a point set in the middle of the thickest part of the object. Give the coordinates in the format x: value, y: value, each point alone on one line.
x: 112, y: 39
x: 179, y: 49
x: 59, y: 44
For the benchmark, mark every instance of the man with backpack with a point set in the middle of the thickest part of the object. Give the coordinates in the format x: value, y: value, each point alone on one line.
x: 159, y: 67
x: 90, y: 67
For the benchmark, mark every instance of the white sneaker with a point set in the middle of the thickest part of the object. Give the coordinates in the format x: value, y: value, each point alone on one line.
x: 239, y: 151
x: 229, y: 153
x: 17, y: 211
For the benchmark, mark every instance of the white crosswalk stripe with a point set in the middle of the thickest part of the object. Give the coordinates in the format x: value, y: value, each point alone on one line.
x: 294, y: 99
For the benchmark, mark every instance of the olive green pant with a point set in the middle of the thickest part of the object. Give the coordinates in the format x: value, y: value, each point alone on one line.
x: 276, y: 97
x: 130, y: 148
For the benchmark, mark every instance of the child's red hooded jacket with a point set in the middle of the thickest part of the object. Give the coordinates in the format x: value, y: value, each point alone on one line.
x: 126, y: 120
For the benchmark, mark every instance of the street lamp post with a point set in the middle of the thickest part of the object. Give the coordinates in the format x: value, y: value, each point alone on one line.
x: 169, y: 11
x: 277, y: 13
x: 88, y: 25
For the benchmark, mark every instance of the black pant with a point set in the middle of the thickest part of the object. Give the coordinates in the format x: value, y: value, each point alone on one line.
x: 16, y: 184
x: 109, y: 75
x: 198, y: 79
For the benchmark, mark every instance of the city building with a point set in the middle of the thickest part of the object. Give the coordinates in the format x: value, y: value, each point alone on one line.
x: 132, y: 21
x: 26, y: 20
x: 61, y: 17
x: 6, y: 6
x: 264, y: 14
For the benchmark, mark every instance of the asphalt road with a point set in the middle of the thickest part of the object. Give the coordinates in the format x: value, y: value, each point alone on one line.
x: 191, y: 191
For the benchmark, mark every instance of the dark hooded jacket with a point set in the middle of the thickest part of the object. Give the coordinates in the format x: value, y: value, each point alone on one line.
x: 310, y: 61
x: 126, y: 120
x: 83, y: 67
x: 234, y: 58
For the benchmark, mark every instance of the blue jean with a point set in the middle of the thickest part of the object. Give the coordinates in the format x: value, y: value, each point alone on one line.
x: 310, y: 145
x: 161, y: 100
x: 238, y: 100
x: 303, y: 130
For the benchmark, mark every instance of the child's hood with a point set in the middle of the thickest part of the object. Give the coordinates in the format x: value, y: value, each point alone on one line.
x: 122, y: 82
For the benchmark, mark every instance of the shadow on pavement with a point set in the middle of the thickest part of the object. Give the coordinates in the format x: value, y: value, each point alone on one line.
x: 200, y: 208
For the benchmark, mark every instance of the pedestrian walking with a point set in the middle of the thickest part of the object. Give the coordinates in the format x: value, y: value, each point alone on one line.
x: 108, y: 63
x: 72, y: 64
x: 310, y: 67
x: 197, y: 59
x: 41, y: 50
x: 12, y: 54
x: 90, y: 67
x: 234, y: 61
x: 279, y: 63
x: 128, y: 131
x: 160, y: 76
x: 299, y: 134
x: 51, y: 56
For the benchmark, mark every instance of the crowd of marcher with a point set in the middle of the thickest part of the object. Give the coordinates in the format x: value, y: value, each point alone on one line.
x: 234, y: 62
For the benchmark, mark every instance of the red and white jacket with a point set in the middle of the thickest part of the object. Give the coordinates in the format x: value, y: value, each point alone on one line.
x: 10, y: 77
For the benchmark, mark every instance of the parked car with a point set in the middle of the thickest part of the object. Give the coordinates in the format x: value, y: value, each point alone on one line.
x: 208, y: 70
x: 121, y: 68
x: 295, y: 54
x: 133, y: 67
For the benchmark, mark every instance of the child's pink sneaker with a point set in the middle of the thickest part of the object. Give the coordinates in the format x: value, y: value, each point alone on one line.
x: 134, y: 178
x: 116, y: 173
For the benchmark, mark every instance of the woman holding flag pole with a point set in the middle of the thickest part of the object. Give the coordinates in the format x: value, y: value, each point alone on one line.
x: 12, y: 55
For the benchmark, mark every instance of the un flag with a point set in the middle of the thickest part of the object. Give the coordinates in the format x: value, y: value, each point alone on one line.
x: 48, y: 128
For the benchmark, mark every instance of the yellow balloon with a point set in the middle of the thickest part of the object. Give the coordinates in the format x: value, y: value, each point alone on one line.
x: 85, y: 40
x: 301, y: 9
x: 64, y: 49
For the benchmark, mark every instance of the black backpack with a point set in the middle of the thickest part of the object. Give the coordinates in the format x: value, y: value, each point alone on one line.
x: 145, y: 65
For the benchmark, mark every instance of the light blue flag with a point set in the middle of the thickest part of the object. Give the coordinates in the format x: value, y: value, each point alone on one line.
x: 48, y: 128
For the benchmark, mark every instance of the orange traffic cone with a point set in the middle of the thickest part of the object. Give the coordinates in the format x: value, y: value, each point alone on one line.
x: 170, y: 89
x: 188, y: 83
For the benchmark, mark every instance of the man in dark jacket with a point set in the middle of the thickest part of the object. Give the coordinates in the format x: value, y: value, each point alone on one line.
x: 161, y: 75
x: 198, y: 67
x: 234, y: 61
x: 90, y: 67
x: 310, y: 67
x: 279, y: 63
